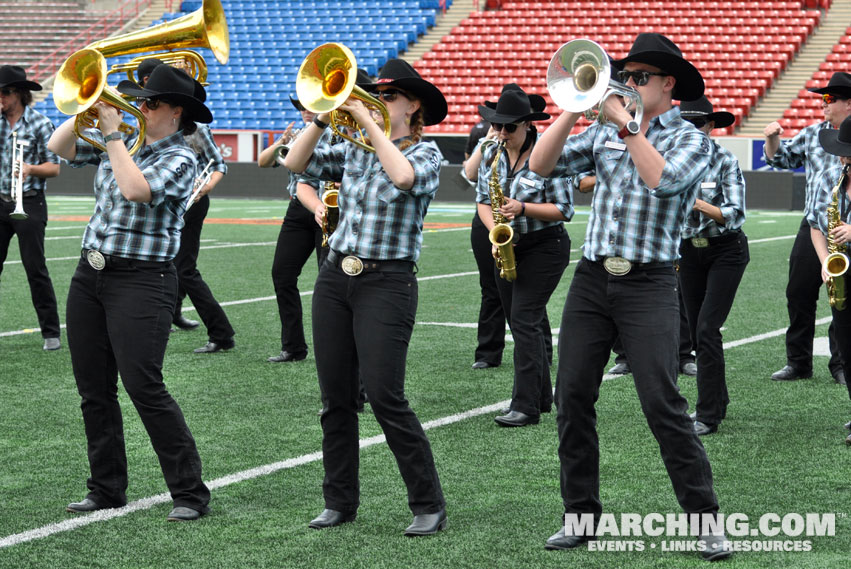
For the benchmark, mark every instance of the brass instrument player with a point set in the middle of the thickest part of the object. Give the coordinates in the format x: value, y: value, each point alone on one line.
x: 830, y: 229
x: 536, y: 209
x: 32, y: 131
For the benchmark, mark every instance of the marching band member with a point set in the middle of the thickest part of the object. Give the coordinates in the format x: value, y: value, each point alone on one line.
x: 189, y: 279
x: 648, y: 176
x: 803, y: 288
x: 39, y: 163
x: 122, y: 295
x: 835, y: 143
x: 365, y: 298
x: 713, y: 257
x: 537, y: 209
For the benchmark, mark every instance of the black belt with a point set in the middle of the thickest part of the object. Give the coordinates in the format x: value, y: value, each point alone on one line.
x: 619, y: 266
x: 27, y: 194
x: 354, y: 266
x: 726, y: 237
x: 541, y: 234
x: 99, y: 261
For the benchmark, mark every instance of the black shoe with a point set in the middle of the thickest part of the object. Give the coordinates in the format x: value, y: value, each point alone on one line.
x: 483, y: 365
x: 789, y: 373
x: 184, y: 323
x: 51, y: 344
x: 848, y: 440
x: 183, y: 514
x: 561, y: 541
x: 717, y: 547
x: 286, y: 356
x: 516, y: 419
x: 839, y: 377
x: 693, y: 416
x: 427, y: 524
x: 702, y: 428
x: 619, y: 369
x: 688, y: 368
x: 212, y: 347
x: 331, y: 518
x: 848, y: 425
x: 87, y: 505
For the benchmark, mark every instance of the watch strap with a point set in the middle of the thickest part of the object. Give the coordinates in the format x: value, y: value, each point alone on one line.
x: 112, y: 136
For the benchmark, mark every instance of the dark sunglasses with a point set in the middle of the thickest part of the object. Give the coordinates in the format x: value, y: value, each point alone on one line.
x: 388, y: 95
x: 828, y: 98
x: 153, y: 104
x: 640, y: 77
x: 509, y: 127
x: 7, y: 92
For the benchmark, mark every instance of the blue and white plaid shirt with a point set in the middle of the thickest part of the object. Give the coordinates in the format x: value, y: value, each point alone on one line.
x: 525, y: 186
x: 36, y: 129
x: 724, y: 187
x: 822, y: 196
x: 204, y: 145
x: 296, y: 179
x: 628, y: 219
x: 804, y: 150
x: 145, y: 231
x: 378, y: 220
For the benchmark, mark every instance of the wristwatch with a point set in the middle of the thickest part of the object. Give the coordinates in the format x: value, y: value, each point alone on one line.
x: 631, y: 128
x: 112, y: 136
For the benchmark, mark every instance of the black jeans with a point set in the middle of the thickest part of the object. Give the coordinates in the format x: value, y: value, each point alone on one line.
x: 686, y: 341
x: 541, y: 258
x: 709, y: 277
x: 30, y: 234
x: 189, y: 279
x: 365, y: 323
x: 118, y: 323
x: 641, y: 307
x: 491, y: 328
x: 299, y: 237
x: 802, y: 295
x: 842, y: 325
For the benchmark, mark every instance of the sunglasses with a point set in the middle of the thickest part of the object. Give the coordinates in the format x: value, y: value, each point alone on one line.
x: 509, y: 127
x: 153, y: 104
x: 828, y: 98
x: 7, y: 92
x: 388, y: 95
x: 640, y: 77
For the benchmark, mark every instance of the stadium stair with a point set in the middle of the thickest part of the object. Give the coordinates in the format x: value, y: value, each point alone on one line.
x: 457, y: 13
x: 787, y: 87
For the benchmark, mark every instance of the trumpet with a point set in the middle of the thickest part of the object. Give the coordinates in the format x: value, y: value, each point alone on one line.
x: 326, y: 79
x: 332, y: 211
x: 284, y: 148
x: 200, y: 181
x: 579, y: 79
x: 836, y: 263
x: 18, y: 176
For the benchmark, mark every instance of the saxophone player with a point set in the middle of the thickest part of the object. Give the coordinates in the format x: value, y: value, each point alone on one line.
x: 829, y: 228
x: 536, y: 209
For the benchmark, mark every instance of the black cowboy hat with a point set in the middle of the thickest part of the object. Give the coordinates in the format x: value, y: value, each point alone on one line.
x: 399, y: 73
x: 174, y: 85
x: 701, y: 112
x: 839, y: 84
x: 657, y: 50
x: 363, y: 78
x: 513, y: 106
x: 15, y: 76
x: 837, y: 141
x: 147, y: 66
x: 537, y: 102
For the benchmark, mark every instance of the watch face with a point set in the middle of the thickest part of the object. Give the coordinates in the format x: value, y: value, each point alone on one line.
x: 632, y: 127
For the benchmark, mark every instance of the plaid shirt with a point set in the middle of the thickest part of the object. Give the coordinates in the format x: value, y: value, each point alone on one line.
x: 315, y: 183
x: 525, y: 186
x: 724, y: 187
x: 378, y: 220
x: 822, y: 196
x: 145, y: 231
x: 202, y: 143
x: 628, y: 219
x: 804, y: 150
x: 36, y: 129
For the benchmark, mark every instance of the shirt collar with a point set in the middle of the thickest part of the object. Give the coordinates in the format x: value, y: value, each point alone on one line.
x: 170, y: 140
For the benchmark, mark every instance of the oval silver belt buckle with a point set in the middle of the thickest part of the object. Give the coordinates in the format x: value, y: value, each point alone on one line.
x: 96, y: 259
x: 617, y: 266
x: 351, y: 265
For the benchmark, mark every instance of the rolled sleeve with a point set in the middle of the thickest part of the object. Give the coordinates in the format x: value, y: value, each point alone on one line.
x: 172, y: 176
x: 327, y: 162
x: 790, y: 154
x: 426, y: 160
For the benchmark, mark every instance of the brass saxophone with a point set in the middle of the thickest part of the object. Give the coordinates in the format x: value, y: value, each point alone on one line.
x: 836, y: 263
x: 332, y: 211
x: 502, y: 234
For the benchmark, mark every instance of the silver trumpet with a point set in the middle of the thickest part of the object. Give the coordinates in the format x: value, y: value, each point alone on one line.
x: 579, y: 80
x: 201, y: 181
x: 283, y: 149
x: 18, y: 176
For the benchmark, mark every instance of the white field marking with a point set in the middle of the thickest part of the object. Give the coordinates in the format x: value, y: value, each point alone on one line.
x: 249, y: 474
x: 58, y: 238
x: 770, y: 239
x: 76, y: 227
x: 768, y: 221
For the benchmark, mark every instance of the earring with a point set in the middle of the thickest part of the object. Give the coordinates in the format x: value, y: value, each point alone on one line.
x: 173, y: 121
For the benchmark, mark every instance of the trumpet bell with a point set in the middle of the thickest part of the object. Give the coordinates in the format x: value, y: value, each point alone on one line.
x: 578, y: 75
